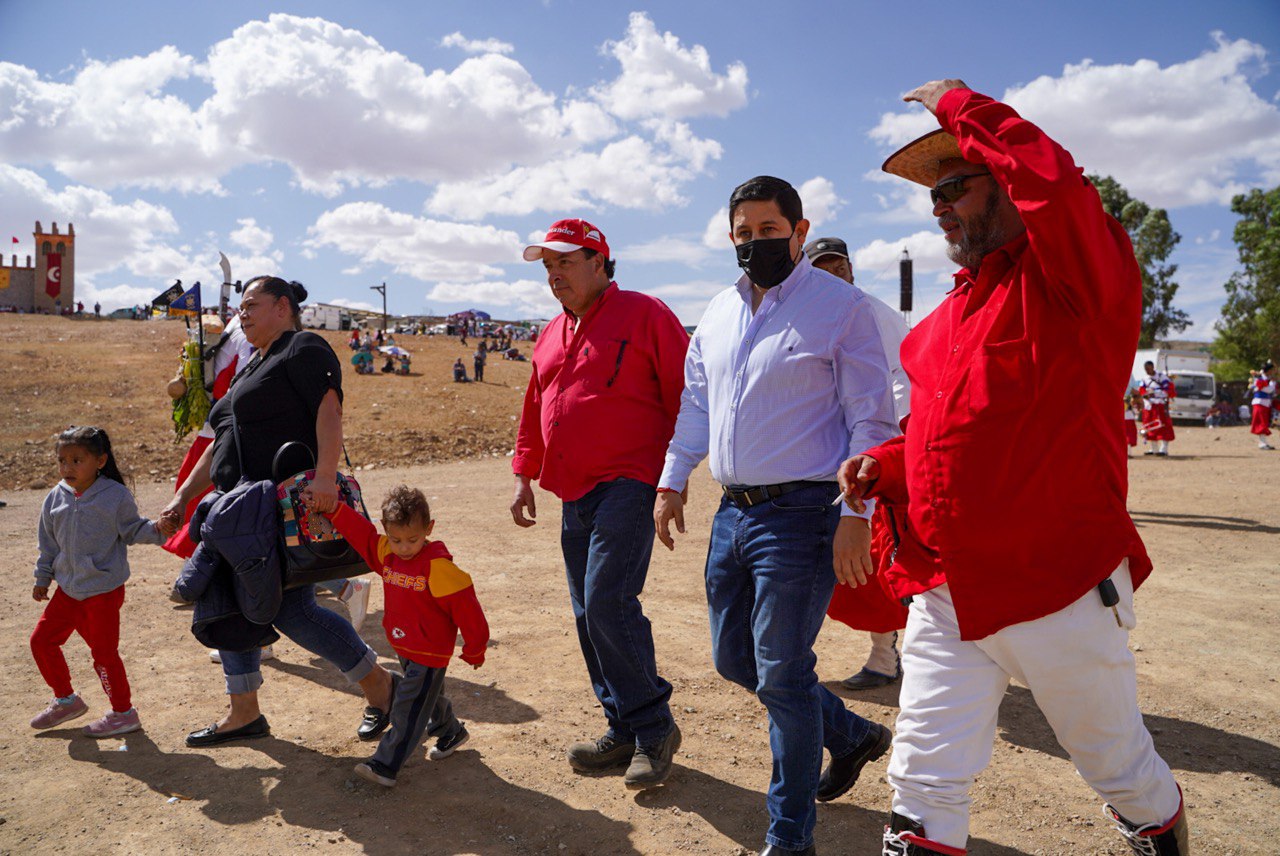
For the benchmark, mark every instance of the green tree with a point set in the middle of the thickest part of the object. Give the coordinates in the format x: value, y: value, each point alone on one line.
x: 1249, y: 329
x: 1153, y: 240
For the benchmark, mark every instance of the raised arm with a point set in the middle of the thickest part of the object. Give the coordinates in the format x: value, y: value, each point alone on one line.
x: 1087, y: 257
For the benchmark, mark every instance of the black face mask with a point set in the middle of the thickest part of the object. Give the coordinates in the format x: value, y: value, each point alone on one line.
x: 767, y: 261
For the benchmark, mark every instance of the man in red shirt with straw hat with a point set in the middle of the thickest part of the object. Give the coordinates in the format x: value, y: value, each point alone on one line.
x: 1018, y: 553
x: 599, y: 410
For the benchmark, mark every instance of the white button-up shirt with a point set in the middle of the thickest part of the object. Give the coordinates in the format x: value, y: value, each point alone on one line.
x: 785, y: 393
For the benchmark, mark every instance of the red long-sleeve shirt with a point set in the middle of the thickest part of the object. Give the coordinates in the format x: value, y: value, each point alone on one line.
x: 604, y: 394
x: 1013, y: 464
x: 428, y: 599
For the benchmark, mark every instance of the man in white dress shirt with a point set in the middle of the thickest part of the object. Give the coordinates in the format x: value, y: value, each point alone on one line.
x: 785, y: 375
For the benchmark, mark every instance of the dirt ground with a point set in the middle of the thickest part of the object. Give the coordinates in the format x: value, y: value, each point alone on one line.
x: 61, y: 371
x: 1205, y: 647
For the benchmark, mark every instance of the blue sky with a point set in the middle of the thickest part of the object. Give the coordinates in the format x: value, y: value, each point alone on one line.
x: 423, y: 144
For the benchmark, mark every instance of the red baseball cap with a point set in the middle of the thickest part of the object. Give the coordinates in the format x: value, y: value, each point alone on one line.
x: 565, y: 236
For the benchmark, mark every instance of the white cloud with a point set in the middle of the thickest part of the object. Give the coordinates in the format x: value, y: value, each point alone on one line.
x: 878, y: 260
x: 716, y: 235
x: 820, y: 201
x: 677, y: 249
x: 251, y: 236
x: 509, y: 301
x: 354, y: 304
x: 900, y: 201
x: 689, y: 299
x: 628, y: 173
x: 897, y: 129
x: 340, y: 110
x: 113, y: 124
x: 428, y: 250
x: 1182, y: 134
x: 661, y: 77
x: 476, y: 46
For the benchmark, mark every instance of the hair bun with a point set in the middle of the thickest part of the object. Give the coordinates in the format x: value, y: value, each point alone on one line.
x: 299, y: 291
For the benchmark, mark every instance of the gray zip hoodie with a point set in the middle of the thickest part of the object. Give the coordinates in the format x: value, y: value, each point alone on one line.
x: 82, y: 538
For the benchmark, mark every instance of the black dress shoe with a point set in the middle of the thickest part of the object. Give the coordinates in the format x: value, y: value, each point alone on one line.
x: 774, y: 850
x: 211, y: 736
x: 375, y: 721
x: 842, y: 773
x: 869, y: 680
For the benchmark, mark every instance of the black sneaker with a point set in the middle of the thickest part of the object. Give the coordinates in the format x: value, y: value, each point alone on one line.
x: 842, y: 773
x: 603, y: 754
x: 449, y: 743
x: 379, y: 774
x: 651, y: 764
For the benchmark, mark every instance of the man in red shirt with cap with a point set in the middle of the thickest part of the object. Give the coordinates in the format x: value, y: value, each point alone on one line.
x: 1018, y: 552
x: 599, y: 410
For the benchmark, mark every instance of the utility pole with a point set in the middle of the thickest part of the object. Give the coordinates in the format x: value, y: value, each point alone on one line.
x: 382, y: 288
x: 906, y: 285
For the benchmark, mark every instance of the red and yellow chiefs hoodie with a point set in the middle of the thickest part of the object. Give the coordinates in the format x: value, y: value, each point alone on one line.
x: 428, y: 598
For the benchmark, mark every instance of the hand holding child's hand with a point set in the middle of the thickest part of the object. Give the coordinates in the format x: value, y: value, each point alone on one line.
x: 168, y: 523
x: 40, y: 593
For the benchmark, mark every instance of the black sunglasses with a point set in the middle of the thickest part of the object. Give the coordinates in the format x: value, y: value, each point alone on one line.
x: 953, y: 188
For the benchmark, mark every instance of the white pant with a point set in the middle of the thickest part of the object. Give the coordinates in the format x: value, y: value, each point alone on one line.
x: 1078, y: 666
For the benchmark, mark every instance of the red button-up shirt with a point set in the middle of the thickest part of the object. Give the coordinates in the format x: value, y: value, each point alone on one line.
x: 604, y: 394
x: 1013, y: 464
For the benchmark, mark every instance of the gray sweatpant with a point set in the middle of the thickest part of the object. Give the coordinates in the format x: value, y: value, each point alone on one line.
x: 419, y: 707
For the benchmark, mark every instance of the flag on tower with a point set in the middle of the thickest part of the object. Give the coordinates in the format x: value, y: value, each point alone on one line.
x: 53, y: 275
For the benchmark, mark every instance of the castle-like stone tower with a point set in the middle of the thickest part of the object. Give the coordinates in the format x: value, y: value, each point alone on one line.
x: 49, y: 285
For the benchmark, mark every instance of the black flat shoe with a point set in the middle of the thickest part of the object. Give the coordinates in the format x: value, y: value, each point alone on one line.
x: 869, y: 680
x: 771, y: 850
x: 375, y: 721
x: 842, y: 773
x: 211, y: 736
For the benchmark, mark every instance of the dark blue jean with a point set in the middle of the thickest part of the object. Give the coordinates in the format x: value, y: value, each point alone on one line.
x: 769, y: 580
x: 320, y: 631
x: 607, y: 539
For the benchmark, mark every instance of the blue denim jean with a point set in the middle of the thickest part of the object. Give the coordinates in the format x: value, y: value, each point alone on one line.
x: 769, y: 580
x: 323, y: 633
x: 607, y: 539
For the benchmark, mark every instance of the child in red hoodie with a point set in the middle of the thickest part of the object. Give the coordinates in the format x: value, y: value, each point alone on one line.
x: 427, y: 600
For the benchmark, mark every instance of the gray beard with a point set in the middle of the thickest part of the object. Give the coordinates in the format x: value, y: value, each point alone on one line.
x: 979, y: 236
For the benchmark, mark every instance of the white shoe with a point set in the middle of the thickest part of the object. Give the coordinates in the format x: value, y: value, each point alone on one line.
x: 214, y: 656
x: 356, y: 597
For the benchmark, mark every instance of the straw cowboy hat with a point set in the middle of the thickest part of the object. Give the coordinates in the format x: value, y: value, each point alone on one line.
x: 918, y: 160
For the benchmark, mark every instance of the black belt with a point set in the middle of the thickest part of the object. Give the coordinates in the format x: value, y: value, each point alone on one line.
x: 745, y: 497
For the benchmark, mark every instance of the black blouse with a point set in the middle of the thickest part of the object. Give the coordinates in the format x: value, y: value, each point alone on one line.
x: 275, y: 400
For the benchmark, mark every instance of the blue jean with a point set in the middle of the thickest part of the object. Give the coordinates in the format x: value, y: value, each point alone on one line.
x: 607, y: 539
x: 769, y: 580
x: 323, y: 633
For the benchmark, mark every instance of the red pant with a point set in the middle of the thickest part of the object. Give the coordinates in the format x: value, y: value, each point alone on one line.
x: 97, y: 620
x: 1261, y: 424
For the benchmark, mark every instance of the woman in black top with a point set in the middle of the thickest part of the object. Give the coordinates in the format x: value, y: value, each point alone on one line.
x: 291, y: 390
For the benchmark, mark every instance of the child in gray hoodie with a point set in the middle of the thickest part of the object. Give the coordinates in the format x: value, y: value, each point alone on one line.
x: 85, y: 524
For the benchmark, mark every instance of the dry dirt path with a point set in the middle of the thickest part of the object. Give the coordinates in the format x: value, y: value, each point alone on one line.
x: 1205, y: 645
